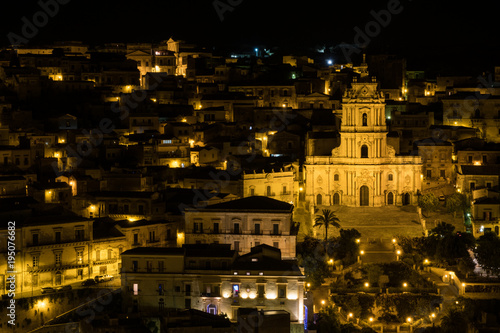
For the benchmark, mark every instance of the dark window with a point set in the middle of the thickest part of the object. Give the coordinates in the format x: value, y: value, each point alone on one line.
x: 472, y: 186
x: 469, y: 158
x: 35, y: 239
x: 136, y: 238
x: 336, y: 199
x: 268, y: 191
x: 364, y: 151
x: 135, y: 265
x: 260, y: 290
x: 336, y: 177
x: 442, y: 173
x: 257, y: 228
x: 216, y: 227
x: 282, y: 291
x: 365, y: 119
x: 390, y: 177
x: 429, y: 173
x: 187, y: 290
x: 236, y: 228
x: 79, y: 235
x: 390, y: 198
x: 319, y: 199
x: 276, y: 229
x: 485, y: 159
x: 58, y: 237
x: 160, y: 289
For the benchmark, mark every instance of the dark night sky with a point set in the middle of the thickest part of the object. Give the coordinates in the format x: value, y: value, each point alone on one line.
x: 428, y: 33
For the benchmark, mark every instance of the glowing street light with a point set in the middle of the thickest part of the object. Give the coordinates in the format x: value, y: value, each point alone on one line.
x: 323, y: 302
x: 367, y: 284
x: 405, y: 284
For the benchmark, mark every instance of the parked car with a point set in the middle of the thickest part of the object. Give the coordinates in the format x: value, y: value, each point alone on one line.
x: 65, y: 288
x: 88, y: 282
x: 47, y: 290
x: 103, y: 278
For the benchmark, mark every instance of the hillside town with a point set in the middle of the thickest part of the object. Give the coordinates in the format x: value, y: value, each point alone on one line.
x: 165, y: 187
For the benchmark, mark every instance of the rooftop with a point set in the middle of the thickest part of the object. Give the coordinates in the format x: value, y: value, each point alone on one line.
x: 255, y: 203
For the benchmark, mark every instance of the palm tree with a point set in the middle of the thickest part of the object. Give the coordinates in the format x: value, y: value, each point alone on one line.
x: 326, y: 219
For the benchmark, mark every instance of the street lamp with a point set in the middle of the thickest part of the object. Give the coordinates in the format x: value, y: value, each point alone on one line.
x: 360, y: 254
x: 398, y: 252
x: 367, y: 284
x: 350, y: 315
x: 409, y: 320
x: 322, y: 302
x: 405, y: 284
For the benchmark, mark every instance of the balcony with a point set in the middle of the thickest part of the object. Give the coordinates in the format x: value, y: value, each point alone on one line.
x: 210, y: 295
x: 53, y: 244
x: 105, y: 262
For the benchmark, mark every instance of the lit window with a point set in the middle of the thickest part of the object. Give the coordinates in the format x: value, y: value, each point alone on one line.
x: 136, y: 289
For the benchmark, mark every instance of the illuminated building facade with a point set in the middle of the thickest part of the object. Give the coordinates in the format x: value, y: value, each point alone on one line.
x: 244, y: 223
x: 213, y: 279
x: 364, y: 170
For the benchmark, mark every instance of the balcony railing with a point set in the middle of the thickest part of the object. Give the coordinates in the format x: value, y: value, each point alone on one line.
x: 210, y: 295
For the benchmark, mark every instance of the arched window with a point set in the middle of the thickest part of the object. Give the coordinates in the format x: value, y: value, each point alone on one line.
x: 390, y: 198
x: 211, y: 308
x: 319, y: 199
x: 364, y: 151
x: 365, y: 119
x: 390, y: 177
x: 477, y: 114
x: 336, y: 177
x: 364, y: 196
x: 336, y: 199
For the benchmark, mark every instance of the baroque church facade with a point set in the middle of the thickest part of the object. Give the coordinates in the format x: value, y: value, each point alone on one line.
x: 364, y: 169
